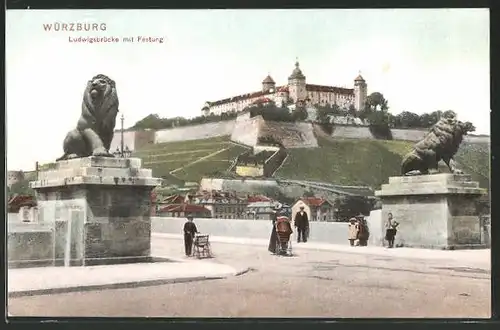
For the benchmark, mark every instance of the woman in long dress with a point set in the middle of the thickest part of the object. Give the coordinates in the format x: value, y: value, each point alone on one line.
x: 273, y: 240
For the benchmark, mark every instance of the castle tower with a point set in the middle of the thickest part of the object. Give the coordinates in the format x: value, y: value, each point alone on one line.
x: 268, y: 84
x: 297, y: 84
x: 360, y: 92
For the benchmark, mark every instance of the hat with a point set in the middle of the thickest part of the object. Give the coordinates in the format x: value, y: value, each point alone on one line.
x: 277, y: 206
x: 301, y: 207
x: 360, y: 216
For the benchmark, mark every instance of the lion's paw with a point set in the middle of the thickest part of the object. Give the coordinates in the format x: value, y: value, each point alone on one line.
x: 100, y: 152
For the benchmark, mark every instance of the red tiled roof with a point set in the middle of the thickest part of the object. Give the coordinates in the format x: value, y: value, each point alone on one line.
x: 283, y: 89
x: 330, y: 89
x: 186, y: 208
x: 174, y: 199
x: 258, y: 198
x: 262, y: 100
x: 313, y: 201
x: 240, y: 98
x: 20, y: 200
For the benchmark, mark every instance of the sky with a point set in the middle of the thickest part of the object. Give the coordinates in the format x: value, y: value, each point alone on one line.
x: 421, y: 60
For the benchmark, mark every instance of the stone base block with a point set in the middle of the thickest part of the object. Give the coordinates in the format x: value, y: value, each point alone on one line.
x: 434, y: 211
x: 98, y: 208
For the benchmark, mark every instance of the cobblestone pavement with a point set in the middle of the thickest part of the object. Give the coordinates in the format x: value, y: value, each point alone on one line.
x: 309, y: 284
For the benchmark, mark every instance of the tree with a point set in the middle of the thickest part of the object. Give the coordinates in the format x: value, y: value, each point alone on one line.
x: 379, y: 125
x: 300, y: 114
x: 409, y: 119
x: 21, y: 188
x: 376, y: 101
x: 350, y: 206
x: 352, y: 111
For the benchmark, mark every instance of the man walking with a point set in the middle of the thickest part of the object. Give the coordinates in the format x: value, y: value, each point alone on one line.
x: 189, y: 231
x: 301, y: 222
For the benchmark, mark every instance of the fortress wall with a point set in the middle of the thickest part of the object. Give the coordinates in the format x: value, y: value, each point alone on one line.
x: 196, y: 132
x: 247, y: 131
x: 238, y: 185
x: 408, y: 134
x: 477, y: 139
x: 293, y: 135
x: 352, y: 132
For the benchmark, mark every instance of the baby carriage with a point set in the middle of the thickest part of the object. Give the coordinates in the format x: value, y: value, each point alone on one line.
x: 283, y: 231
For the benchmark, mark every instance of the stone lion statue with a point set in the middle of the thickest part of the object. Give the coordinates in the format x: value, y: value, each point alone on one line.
x: 95, y: 128
x: 441, y: 143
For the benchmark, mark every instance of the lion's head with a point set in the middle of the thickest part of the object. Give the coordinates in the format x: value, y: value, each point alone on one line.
x: 100, y: 95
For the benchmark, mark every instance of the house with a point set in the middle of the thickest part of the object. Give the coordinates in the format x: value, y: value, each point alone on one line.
x: 184, y: 210
x: 260, y: 210
x: 24, y: 206
x: 222, y: 205
x: 317, y: 209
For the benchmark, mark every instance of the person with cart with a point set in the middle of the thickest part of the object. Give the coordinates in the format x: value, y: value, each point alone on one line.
x: 273, y: 239
x: 189, y: 231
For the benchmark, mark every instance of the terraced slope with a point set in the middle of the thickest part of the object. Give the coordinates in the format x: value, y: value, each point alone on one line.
x: 190, y: 160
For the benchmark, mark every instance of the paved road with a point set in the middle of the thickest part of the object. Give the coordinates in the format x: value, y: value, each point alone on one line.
x: 310, y: 284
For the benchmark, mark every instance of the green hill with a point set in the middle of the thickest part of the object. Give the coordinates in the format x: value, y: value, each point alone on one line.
x: 190, y: 160
x: 340, y: 161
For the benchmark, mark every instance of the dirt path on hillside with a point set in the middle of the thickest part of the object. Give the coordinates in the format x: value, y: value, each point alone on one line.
x: 200, y: 160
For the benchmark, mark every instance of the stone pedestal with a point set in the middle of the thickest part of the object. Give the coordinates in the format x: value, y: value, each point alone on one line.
x: 99, y: 209
x: 434, y: 211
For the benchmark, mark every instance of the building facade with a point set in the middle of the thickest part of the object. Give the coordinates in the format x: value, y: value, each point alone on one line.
x: 317, y: 209
x: 297, y: 91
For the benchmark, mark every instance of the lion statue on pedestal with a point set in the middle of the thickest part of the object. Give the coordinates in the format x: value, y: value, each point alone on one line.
x: 441, y: 143
x: 95, y: 128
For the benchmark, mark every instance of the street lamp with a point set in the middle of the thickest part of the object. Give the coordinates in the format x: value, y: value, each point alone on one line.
x: 122, y: 151
x: 122, y: 119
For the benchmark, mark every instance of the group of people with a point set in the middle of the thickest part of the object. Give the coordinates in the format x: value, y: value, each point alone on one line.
x: 358, y: 231
x: 301, y: 224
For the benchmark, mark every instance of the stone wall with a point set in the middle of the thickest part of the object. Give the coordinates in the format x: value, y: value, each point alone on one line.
x: 247, y: 131
x: 28, y: 242
x: 352, y: 132
x: 408, y: 134
x: 320, y: 232
x: 195, y: 132
x: 291, y: 135
x: 238, y: 185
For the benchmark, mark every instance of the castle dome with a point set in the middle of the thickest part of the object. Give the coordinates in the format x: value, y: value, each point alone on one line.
x: 268, y: 80
x: 297, y: 73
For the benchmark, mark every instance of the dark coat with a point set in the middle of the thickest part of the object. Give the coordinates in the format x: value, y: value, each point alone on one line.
x: 301, y: 220
x: 190, y: 229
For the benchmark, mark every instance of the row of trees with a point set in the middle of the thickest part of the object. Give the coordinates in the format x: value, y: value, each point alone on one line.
x: 271, y: 111
x: 155, y: 122
x: 376, y: 111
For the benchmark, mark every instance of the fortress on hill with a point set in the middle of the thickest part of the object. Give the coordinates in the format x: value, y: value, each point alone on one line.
x: 297, y: 91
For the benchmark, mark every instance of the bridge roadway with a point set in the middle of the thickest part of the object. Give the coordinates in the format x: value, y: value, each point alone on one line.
x: 312, y: 283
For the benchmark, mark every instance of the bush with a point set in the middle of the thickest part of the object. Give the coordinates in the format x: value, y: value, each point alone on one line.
x: 271, y: 112
x: 327, y: 128
x: 350, y: 206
